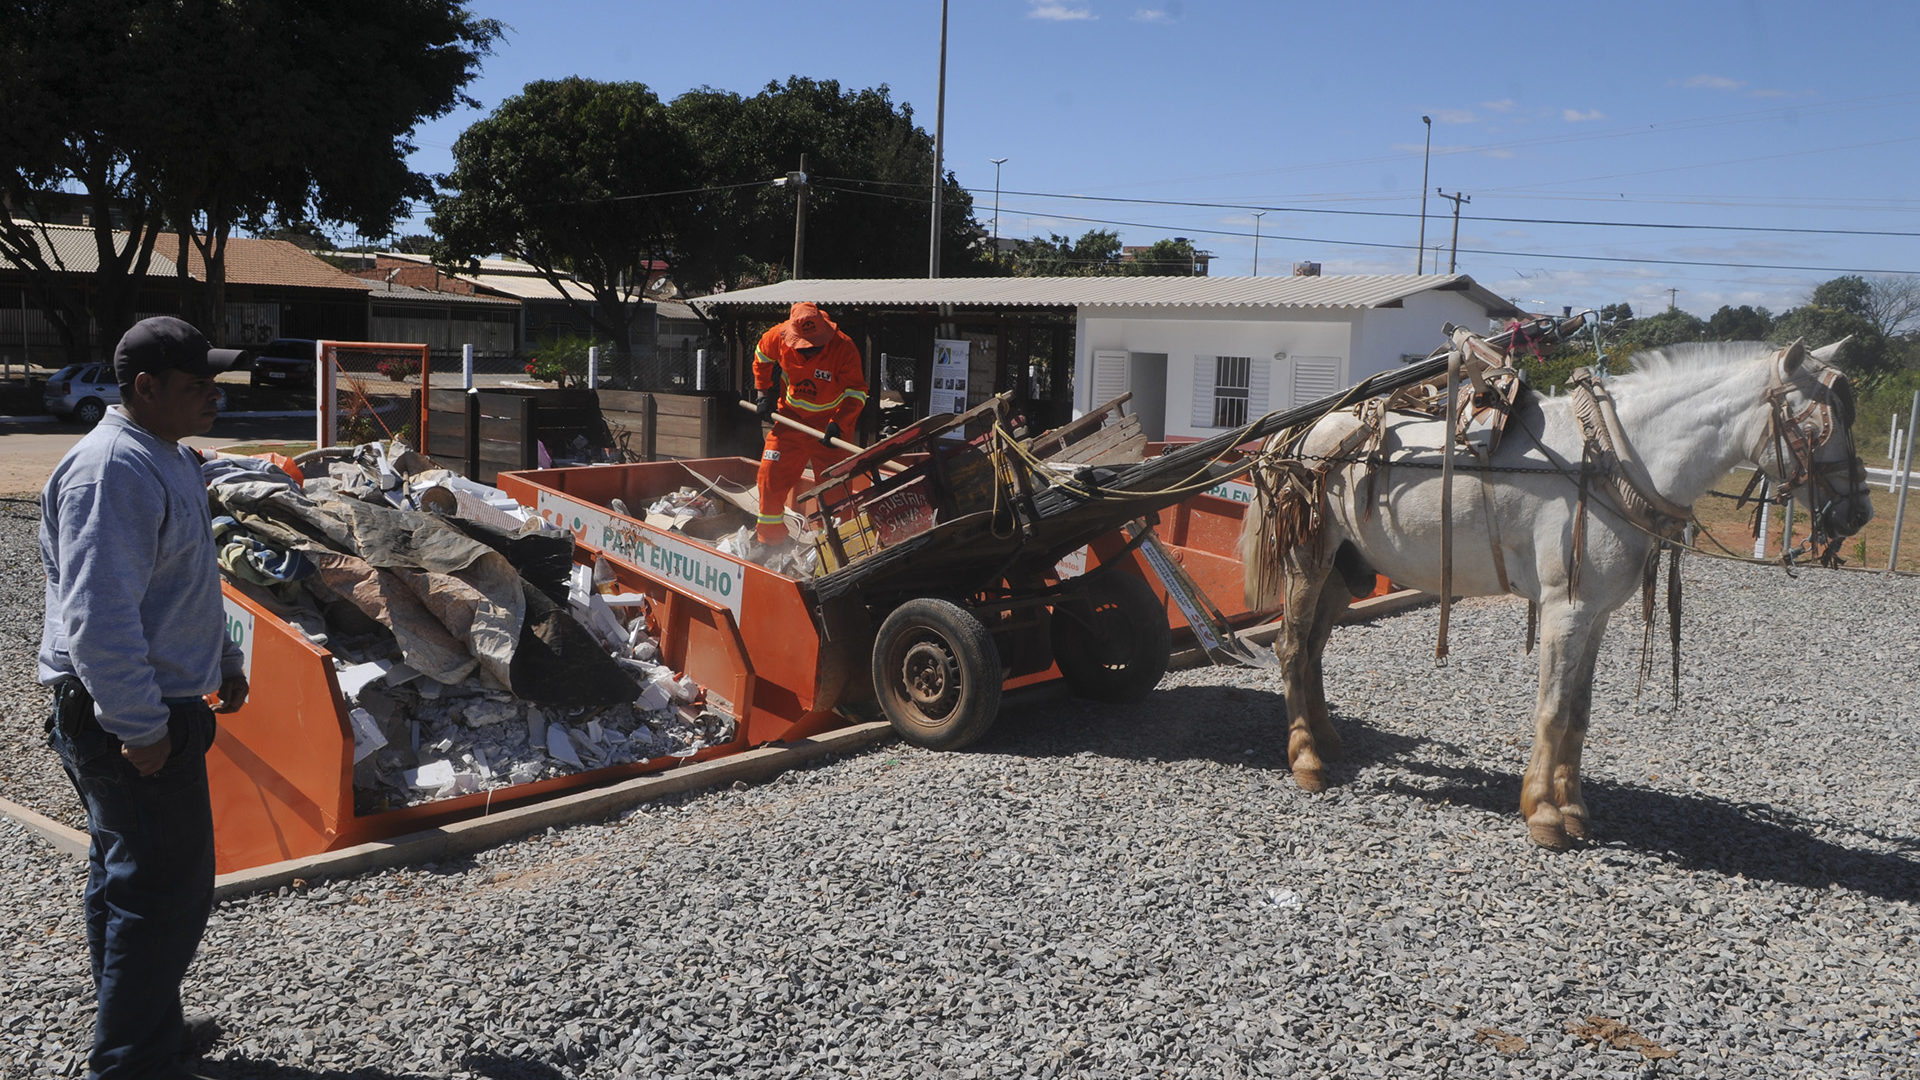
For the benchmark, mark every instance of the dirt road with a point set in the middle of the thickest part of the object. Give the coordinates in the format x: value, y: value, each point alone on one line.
x: 29, y: 451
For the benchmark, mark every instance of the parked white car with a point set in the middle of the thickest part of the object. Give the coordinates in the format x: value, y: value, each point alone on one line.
x: 82, y: 392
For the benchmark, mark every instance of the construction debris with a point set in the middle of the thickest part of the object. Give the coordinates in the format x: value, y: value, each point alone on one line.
x: 462, y: 633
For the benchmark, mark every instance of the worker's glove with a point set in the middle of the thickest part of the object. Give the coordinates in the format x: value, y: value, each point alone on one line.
x: 832, y: 433
x: 764, y: 406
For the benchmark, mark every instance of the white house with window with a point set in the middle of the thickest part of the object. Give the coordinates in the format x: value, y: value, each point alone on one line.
x: 1202, y: 360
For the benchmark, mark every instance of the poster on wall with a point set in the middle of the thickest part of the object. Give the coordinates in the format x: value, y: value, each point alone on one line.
x: 949, y: 394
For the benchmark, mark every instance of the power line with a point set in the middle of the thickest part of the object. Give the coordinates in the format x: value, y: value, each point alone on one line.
x: 1648, y: 261
x: 1250, y: 207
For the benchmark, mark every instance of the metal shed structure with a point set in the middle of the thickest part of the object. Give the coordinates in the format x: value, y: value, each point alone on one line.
x: 1199, y: 354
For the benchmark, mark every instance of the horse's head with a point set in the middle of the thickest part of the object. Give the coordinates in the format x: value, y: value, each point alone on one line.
x: 1808, y: 445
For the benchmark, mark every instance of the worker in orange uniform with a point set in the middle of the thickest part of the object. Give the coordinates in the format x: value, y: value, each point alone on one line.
x: 825, y: 389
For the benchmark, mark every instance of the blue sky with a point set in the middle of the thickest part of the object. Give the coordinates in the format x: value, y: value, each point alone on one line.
x: 1741, y: 121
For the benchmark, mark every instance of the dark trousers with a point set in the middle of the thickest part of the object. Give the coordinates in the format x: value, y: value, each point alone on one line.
x: 149, y: 886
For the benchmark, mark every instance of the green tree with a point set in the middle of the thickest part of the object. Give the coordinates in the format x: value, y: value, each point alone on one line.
x: 107, y: 103
x: 1098, y: 253
x: 869, y: 167
x: 583, y: 180
x: 1162, y: 258
x: 1848, y: 293
x: 1671, y: 327
x: 1844, y: 308
x: 1744, y: 323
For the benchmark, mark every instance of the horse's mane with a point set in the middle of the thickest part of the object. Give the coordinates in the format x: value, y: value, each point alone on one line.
x: 1709, y: 362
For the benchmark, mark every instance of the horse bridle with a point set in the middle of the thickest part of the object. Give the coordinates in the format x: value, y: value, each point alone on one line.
x: 1797, y: 438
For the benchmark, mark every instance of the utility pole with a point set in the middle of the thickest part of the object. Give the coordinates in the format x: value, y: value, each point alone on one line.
x: 799, y: 180
x: 1454, y: 254
x: 939, y: 135
x: 1672, y: 295
x: 1420, y: 251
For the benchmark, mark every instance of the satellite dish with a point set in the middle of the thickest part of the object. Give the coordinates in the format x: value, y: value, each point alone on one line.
x: 663, y: 289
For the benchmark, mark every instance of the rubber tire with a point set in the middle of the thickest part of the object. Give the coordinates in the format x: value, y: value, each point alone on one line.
x: 936, y: 674
x: 90, y: 411
x: 1122, y: 656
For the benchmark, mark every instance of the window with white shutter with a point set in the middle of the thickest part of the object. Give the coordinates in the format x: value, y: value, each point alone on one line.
x: 1109, y: 378
x: 1315, y: 377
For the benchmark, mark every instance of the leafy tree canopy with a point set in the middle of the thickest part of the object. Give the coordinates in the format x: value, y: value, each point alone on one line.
x: 1098, y: 253
x: 868, y: 173
x: 312, y: 107
x: 1162, y: 258
x: 1744, y: 323
x: 582, y: 179
x: 1670, y: 327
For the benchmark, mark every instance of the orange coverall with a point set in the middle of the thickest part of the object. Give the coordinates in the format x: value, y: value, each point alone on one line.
x: 828, y: 386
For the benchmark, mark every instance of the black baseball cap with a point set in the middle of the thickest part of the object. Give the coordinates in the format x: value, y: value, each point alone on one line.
x: 164, y: 343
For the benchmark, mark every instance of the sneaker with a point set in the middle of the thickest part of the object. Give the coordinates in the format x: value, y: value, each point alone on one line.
x: 198, y: 1034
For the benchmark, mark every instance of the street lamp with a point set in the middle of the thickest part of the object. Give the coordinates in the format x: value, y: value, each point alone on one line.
x: 1257, y: 215
x: 1420, y: 254
x: 997, y: 162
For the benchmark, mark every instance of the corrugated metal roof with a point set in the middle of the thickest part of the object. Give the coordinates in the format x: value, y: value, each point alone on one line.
x: 1344, y: 291
x: 386, y: 290
x: 525, y: 287
x: 71, y: 247
x: 252, y: 261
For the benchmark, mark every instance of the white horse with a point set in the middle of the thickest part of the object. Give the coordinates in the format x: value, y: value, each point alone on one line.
x: 1525, y: 523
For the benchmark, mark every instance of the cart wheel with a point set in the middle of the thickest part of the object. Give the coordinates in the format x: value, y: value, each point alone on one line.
x: 937, y: 674
x: 1121, y: 652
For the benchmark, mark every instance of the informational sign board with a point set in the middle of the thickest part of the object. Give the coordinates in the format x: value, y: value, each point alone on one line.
x: 949, y: 391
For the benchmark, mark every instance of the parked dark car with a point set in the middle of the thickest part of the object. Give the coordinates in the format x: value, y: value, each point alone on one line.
x: 283, y: 362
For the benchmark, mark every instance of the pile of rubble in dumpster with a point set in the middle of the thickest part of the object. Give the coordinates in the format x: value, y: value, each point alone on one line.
x: 472, y: 651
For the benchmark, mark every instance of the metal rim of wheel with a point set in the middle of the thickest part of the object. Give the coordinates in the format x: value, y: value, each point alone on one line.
x: 936, y: 674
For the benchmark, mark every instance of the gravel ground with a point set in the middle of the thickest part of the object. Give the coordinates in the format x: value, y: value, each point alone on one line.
x: 1139, y: 891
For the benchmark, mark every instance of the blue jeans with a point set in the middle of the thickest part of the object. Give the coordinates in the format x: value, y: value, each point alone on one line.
x: 149, y: 887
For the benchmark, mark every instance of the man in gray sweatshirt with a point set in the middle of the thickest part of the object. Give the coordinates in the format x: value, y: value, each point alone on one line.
x: 134, y: 640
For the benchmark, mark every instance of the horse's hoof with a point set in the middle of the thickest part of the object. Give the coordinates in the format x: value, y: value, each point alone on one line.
x: 1311, y: 779
x: 1574, y: 821
x: 1551, y: 837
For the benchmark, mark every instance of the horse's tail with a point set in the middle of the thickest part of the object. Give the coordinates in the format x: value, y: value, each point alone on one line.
x: 1260, y: 549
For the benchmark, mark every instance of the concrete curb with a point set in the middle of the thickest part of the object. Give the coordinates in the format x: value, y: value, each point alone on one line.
x: 65, y: 839
x: 1262, y: 635
x: 464, y: 837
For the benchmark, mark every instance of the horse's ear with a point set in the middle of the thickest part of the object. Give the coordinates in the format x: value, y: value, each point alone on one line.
x: 1826, y: 353
x: 1793, y: 356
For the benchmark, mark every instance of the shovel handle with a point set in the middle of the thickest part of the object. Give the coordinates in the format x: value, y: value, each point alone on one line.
x: 782, y: 418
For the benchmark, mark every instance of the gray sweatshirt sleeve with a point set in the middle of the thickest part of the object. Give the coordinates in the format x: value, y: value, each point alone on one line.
x: 109, y: 540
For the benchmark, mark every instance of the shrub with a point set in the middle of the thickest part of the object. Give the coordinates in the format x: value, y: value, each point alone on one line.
x: 562, y: 360
x: 398, y: 368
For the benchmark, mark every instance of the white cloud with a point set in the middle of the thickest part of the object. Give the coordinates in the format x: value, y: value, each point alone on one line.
x: 1454, y: 116
x: 1497, y: 154
x: 1053, y: 11
x: 1712, y: 82
x: 1151, y: 15
x: 1575, y: 116
x: 1504, y: 105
